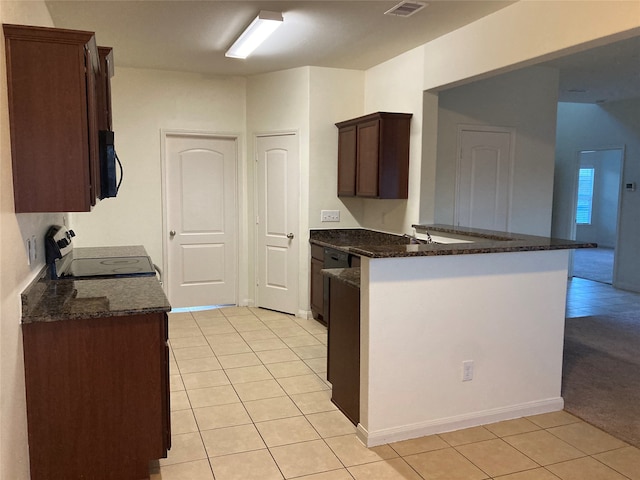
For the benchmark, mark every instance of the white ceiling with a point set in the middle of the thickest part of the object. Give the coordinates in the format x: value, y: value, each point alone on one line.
x: 192, y: 36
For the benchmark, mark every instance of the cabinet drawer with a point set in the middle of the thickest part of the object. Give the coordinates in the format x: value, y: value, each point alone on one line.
x: 317, y: 252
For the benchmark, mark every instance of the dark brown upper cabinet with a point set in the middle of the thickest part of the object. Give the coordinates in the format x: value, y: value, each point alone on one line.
x: 373, y: 156
x: 103, y: 88
x: 52, y: 77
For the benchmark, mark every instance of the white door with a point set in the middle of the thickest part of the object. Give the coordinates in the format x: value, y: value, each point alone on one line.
x: 201, y: 214
x: 484, y: 179
x: 277, y: 206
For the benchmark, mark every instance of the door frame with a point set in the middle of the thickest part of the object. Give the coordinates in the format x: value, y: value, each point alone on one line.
x: 574, y: 202
x: 275, y: 133
x: 463, y: 127
x: 164, y: 133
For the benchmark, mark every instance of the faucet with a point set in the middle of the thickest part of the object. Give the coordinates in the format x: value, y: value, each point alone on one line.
x: 413, y: 240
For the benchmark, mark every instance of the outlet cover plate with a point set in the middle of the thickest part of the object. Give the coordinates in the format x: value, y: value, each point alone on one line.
x: 330, y: 215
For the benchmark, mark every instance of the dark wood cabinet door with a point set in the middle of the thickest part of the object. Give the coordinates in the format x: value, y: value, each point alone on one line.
x: 317, y: 290
x: 92, y: 125
x: 393, y: 167
x: 367, y: 159
x: 344, y: 348
x: 317, y: 282
x: 165, y: 387
x: 347, y: 161
x: 373, y: 156
x: 52, y: 118
x: 103, y: 88
x: 97, y: 396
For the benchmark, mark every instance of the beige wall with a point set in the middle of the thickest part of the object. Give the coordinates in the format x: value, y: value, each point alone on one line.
x: 335, y: 95
x: 309, y: 101
x: 279, y: 102
x: 525, y: 33
x: 587, y: 127
x: 396, y: 86
x: 144, y: 103
x: 500, y: 102
x: 522, y: 34
x: 147, y: 101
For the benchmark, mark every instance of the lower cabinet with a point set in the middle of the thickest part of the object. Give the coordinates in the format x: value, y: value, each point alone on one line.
x: 343, y: 361
x: 97, y: 396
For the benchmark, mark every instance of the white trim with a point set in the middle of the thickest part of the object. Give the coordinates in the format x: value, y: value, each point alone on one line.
x: 164, y: 133
x: 512, y: 156
x: 277, y: 133
x: 405, y: 432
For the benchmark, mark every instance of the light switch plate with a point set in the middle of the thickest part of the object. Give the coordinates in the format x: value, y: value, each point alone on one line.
x: 330, y: 215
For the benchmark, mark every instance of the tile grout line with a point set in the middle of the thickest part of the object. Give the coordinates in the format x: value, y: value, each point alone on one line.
x: 253, y: 422
x: 319, y: 376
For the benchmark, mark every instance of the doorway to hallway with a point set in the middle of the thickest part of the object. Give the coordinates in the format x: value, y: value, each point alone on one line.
x: 596, y: 212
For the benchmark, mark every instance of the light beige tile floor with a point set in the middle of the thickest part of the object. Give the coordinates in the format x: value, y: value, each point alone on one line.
x: 250, y: 400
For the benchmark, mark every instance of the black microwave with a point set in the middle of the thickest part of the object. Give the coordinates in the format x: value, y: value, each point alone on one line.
x: 109, y: 182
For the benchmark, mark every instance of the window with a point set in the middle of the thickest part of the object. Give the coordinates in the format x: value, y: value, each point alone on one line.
x: 585, y: 196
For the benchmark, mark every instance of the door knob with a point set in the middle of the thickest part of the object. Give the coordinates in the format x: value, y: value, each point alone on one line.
x: 172, y: 233
x: 290, y: 236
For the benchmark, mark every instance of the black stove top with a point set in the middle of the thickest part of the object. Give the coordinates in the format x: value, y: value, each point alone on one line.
x: 111, y: 267
x: 63, y: 264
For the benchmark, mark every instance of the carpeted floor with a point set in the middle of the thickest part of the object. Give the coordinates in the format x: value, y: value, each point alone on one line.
x: 601, y: 373
x: 594, y: 264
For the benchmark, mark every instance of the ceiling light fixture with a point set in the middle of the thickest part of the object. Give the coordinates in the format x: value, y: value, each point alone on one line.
x: 262, y: 26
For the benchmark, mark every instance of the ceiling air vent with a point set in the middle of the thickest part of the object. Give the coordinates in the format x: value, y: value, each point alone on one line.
x: 405, y: 9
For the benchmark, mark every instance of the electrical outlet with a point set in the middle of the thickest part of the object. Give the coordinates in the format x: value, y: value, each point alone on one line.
x: 330, y: 215
x: 467, y: 370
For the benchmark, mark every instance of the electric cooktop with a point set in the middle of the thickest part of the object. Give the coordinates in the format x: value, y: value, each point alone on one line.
x: 62, y: 264
x: 108, y: 267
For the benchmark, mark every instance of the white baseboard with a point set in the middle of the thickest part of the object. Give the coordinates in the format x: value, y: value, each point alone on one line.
x: 305, y: 314
x: 405, y: 432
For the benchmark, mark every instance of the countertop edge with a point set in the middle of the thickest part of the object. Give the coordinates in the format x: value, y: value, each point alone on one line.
x: 88, y: 316
x: 349, y: 276
x: 496, y: 242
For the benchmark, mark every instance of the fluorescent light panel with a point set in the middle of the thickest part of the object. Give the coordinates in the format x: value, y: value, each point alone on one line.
x: 262, y: 26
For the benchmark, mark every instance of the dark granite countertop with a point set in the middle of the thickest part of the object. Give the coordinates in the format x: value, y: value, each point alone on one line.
x: 346, y: 239
x: 350, y: 276
x: 47, y: 300
x: 372, y: 244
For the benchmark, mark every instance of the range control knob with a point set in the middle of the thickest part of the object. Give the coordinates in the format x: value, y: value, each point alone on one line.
x: 63, y: 242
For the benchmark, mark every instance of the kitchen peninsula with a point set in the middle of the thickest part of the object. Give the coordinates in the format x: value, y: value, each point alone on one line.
x: 492, y: 301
